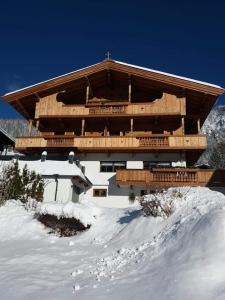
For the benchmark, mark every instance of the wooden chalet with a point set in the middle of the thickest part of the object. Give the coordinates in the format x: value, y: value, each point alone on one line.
x: 116, y: 108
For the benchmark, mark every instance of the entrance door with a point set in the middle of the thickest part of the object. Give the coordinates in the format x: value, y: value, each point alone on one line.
x: 76, y: 193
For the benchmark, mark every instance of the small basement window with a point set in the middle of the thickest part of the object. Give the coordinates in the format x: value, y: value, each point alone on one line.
x: 99, y: 192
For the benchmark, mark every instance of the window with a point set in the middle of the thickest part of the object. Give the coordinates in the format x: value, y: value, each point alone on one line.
x: 156, y: 164
x: 112, y: 166
x: 99, y: 192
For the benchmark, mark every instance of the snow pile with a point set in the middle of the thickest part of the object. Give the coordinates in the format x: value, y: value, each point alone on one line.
x: 17, y: 223
x: 123, y: 255
x: 85, y: 212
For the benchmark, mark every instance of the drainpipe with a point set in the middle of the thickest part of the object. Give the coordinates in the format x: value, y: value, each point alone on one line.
x: 56, y: 187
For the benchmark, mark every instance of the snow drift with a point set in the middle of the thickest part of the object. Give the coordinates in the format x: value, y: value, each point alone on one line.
x: 122, y: 256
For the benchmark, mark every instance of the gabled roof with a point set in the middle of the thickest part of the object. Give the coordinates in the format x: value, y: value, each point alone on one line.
x: 166, y: 78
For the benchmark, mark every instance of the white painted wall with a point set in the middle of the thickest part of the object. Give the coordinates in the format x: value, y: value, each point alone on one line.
x: 118, y: 196
x: 64, y: 192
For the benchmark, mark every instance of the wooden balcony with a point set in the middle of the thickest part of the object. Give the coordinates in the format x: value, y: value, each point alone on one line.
x: 171, y: 177
x: 49, y: 107
x: 114, y: 143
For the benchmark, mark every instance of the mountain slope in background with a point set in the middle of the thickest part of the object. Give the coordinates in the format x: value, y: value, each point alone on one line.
x: 16, y: 127
x: 214, y: 128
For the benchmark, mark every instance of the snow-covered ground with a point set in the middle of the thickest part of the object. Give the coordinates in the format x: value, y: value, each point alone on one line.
x: 122, y: 256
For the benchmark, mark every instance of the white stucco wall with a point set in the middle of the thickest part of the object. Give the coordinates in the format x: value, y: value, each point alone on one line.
x: 64, y: 191
x: 118, y: 196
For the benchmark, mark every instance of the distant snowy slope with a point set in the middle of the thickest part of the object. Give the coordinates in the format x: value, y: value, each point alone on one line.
x: 122, y: 256
x: 214, y: 126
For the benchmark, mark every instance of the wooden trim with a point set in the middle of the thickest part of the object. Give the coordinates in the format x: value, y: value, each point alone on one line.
x: 164, y: 78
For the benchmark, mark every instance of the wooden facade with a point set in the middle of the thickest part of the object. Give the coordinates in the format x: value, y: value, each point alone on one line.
x: 171, y: 177
x: 107, y: 143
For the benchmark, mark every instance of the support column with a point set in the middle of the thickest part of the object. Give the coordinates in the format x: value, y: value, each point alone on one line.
x: 129, y: 89
x: 82, y: 127
x: 198, y: 125
x: 37, y: 124
x: 87, y: 93
x: 105, y: 130
x: 182, y: 125
x: 131, y: 124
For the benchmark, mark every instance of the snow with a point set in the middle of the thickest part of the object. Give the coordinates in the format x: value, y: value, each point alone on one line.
x: 51, y: 167
x: 122, y: 63
x: 123, y: 255
x: 85, y: 211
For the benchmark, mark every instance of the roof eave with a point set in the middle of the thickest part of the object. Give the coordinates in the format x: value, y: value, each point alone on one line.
x: 134, y: 70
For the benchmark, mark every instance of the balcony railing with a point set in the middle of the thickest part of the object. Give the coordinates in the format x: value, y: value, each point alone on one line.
x: 167, y: 105
x: 98, y: 110
x: 154, y: 141
x: 107, y: 143
x: 171, y: 177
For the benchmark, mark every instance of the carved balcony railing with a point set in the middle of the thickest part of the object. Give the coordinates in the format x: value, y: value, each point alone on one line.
x: 98, y: 110
x: 114, y: 143
x: 153, y: 141
x: 171, y: 177
x: 60, y: 142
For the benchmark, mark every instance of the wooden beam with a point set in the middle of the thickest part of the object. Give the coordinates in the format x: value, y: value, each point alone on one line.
x: 90, y: 90
x: 132, y: 124
x: 37, y: 124
x: 198, y: 125
x: 183, y: 125
x: 82, y: 127
x: 25, y: 112
x: 129, y: 89
x: 87, y: 93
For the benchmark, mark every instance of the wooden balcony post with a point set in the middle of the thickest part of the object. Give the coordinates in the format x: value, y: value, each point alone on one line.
x: 82, y: 127
x: 129, y: 89
x: 105, y: 130
x: 87, y: 93
x: 198, y: 125
x: 182, y: 125
x: 37, y: 124
x: 30, y: 126
x: 131, y: 124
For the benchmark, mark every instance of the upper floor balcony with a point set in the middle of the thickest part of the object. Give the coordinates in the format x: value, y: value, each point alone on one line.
x: 132, y: 143
x: 49, y: 107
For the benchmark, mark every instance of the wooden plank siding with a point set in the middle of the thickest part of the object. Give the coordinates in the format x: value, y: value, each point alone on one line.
x: 171, y: 177
x: 106, y: 143
x: 167, y: 105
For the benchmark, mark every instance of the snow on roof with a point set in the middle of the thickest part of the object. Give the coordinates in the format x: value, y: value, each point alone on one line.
x: 54, y: 78
x: 52, y: 167
x: 121, y: 63
x: 168, y: 74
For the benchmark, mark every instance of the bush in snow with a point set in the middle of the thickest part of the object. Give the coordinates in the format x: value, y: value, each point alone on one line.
x: 21, y: 184
x: 159, y: 204
x: 62, y: 226
x: 66, y: 219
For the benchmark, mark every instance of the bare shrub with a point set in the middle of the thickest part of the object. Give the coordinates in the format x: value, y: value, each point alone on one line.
x: 63, y: 226
x: 160, y: 203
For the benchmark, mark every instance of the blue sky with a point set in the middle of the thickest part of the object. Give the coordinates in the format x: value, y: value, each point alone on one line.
x: 42, y: 39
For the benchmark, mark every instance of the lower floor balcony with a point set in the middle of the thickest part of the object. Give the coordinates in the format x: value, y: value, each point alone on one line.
x: 113, y: 143
x: 171, y: 177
